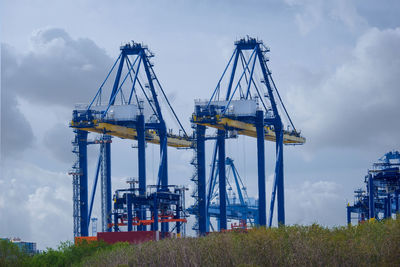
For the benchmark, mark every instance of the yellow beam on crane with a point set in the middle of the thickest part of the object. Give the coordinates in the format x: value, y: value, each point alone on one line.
x: 130, y: 133
x: 247, y: 129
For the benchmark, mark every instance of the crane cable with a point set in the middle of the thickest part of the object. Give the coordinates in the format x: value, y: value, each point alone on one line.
x: 279, y: 96
x: 169, y: 104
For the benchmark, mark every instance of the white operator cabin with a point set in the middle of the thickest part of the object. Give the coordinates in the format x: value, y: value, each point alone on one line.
x: 238, y: 108
x: 121, y: 112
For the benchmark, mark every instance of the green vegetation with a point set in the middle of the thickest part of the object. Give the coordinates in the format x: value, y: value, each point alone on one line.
x: 376, y: 244
x: 11, y: 254
x: 370, y: 244
x: 67, y: 254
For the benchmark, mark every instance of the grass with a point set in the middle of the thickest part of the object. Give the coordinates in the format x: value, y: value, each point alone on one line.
x: 369, y: 244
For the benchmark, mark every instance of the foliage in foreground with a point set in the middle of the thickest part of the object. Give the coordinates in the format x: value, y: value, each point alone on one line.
x: 375, y: 244
x: 66, y: 255
x: 10, y: 254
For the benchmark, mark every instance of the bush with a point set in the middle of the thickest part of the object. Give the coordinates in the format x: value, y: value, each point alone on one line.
x: 11, y: 254
x: 67, y: 254
x: 369, y: 244
x: 376, y: 244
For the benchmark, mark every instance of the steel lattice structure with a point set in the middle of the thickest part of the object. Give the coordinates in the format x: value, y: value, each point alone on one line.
x: 239, y: 206
x: 380, y: 200
x: 132, y: 111
x: 248, y: 107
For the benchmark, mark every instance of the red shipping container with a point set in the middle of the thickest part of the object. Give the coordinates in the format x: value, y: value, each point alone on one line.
x: 131, y: 237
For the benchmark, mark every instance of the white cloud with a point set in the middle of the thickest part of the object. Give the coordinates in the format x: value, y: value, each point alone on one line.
x: 58, y: 142
x: 356, y: 105
x: 318, y: 202
x: 35, y: 204
x: 57, y: 69
x: 16, y: 134
x: 310, y: 14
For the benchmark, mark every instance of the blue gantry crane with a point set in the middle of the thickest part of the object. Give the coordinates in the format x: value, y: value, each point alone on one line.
x: 132, y: 111
x: 239, y: 206
x: 248, y: 107
x: 380, y: 200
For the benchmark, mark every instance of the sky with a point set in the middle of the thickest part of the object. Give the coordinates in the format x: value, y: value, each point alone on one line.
x: 335, y: 63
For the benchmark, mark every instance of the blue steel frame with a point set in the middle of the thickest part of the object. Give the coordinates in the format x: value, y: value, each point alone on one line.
x: 242, y: 211
x: 142, y: 55
x: 381, y: 199
x: 83, y: 183
x: 201, y: 175
x: 222, y: 180
x: 106, y: 202
x: 82, y: 207
x: 127, y: 200
x: 257, y: 54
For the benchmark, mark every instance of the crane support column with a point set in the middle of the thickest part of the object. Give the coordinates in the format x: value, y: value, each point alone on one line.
x: 141, y: 154
x: 115, y: 217
x: 371, y: 197
x: 140, y: 128
x: 279, y: 175
x: 106, y: 184
x: 164, y: 171
x: 222, y: 180
x: 396, y: 199
x: 83, y: 181
x: 201, y: 175
x: 178, y: 224
x: 348, y: 215
x: 129, y: 211
x: 155, y: 214
x: 164, y: 157
x: 262, y: 205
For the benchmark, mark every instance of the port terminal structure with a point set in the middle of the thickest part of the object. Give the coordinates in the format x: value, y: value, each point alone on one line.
x: 242, y: 103
x: 171, y: 202
x: 380, y: 199
x: 132, y: 111
x: 249, y: 107
x: 240, y: 207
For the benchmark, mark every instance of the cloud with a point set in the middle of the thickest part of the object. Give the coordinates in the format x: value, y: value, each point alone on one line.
x: 58, y: 70
x: 37, y: 204
x: 310, y: 14
x: 357, y: 105
x: 16, y: 132
x: 318, y: 202
x: 58, y: 142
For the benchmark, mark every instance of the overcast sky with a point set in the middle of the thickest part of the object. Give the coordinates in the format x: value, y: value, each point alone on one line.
x: 336, y: 64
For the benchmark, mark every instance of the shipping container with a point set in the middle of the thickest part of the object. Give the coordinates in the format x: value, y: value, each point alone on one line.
x: 236, y: 107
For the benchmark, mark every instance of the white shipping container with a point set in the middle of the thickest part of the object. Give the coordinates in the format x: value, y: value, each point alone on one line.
x: 242, y: 108
x: 122, y: 112
x: 236, y: 107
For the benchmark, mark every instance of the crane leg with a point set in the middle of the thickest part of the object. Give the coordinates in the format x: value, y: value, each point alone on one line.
x: 201, y: 174
x: 262, y: 206
x: 142, y: 165
x: 83, y: 190
x: 280, y: 180
x: 222, y: 179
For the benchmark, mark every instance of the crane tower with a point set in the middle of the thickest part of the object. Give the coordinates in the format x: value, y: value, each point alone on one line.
x: 245, y: 102
x: 133, y: 111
